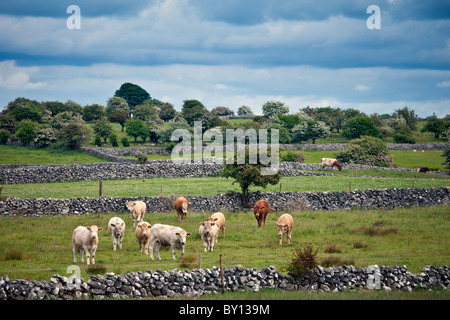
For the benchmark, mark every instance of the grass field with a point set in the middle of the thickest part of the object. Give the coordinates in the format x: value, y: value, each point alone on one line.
x: 37, y: 248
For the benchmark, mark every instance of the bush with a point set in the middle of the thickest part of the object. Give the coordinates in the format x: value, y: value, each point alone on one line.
x: 4, y: 136
x: 98, y: 141
x: 360, y: 126
x: 125, y: 142
x: 113, y: 140
x: 367, y: 150
x: 404, y: 137
x: 142, y: 157
x: 303, y: 261
x: 290, y: 156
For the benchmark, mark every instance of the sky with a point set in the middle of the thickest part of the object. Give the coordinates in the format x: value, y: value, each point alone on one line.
x: 231, y: 52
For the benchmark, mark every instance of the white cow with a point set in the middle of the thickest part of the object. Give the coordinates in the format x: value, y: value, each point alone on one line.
x: 165, y: 235
x: 219, y: 220
x: 330, y: 162
x: 208, y: 231
x: 85, y: 239
x: 116, y: 228
x: 284, y: 224
x: 143, y: 231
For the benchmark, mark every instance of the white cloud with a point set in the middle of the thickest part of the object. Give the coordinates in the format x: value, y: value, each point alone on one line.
x: 361, y: 87
x: 13, y: 77
x: 443, y: 84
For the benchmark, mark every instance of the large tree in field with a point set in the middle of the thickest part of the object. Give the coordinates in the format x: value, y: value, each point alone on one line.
x: 133, y: 94
x: 248, y: 175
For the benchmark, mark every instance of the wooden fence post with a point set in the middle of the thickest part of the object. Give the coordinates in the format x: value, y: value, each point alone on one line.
x: 200, y: 261
x: 100, y: 188
x: 221, y: 274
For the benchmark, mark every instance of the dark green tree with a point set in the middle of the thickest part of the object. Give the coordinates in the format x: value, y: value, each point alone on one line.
x: 133, y: 94
x: 103, y: 128
x: 26, y: 131
x: 436, y: 126
x: 73, y: 135
x: 93, y: 112
x: 136, y: 128
x: 360, y: 126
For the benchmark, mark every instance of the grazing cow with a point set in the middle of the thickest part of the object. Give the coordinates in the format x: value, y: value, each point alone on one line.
x: 329, y: 162
x: 208, y: 232
x: 165, y: 235
x: 143, y: 235
x: 285, y: 223
x: 85, y: 239
x: 116, y: 228
x: 422, y: 169
x: 261, y: 209
x: 219, y: 219
x: 181, y: 207
x: 137, y: 210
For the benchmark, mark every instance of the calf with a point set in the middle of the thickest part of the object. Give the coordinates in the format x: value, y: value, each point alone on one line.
x: 143, y: 235
x: 285, y: 223
x: 165, y: 235
x: 85, y: 239
x: 329, y: 162
x: 181, y: 207
x: 208, y: 232
x: 137, y: 210
x: 116, y: 228
x: 261, y: 209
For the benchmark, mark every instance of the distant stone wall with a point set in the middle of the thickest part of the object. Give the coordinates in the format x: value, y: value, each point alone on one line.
x: 343, y: 200
x: 198, y: 282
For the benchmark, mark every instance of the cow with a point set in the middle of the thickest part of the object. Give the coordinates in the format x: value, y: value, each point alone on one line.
x: 181, y: 207
x: 284, y: 224
x: 166, y: 235
x: 330, y: 162
x: 116, y: 228
x: 137, y: 210
x: 85, y: 239
x: 142, y: 232
x: 260, y: 210
x: 219, y: 219
x: 208, y: 232
x: 422, y: 169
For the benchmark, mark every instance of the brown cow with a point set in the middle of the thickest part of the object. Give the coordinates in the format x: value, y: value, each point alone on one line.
x: 422, y: 169
x: 330, y: 162
x: 181, y: 207
x: 261, y: 209
x: 142, y: 232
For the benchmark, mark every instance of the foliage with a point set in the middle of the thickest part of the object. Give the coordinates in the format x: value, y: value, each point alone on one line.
x: 117, y: 104
x: 303, y: 261
x: 244, y: 111
x: 98, y: 141
x: 4, y: 136
x: 274, y: 108
x: 125, y: 142
x: 26, y: 131
x: 167, y: 112
x: 63, y: 118
x: 145, y: 111
x: 44, y: 137
x: 133, y: 94
x: 164, y: 134
x: 103, y: 128
x: 113, y: 140
x: 193, y: 110
x: 222, y: 111
x: 403, y: 136
x: 360, y: 126
x: 141, y: 157
x: 93, y: 112
x: 120, y: 117
x: 310, y: 130
x: 248, y: 175
x: 136, y: 128
x: 8, y: 123
x: 289, y: 121
x: 290, y: 156
x: 409, y: 115
x: 25, y: 109
x: 436, y: 126
x: 366, y: 150
x: 73, y: 135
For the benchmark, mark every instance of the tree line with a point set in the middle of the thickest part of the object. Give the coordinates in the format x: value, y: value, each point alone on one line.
x: 144, y: 118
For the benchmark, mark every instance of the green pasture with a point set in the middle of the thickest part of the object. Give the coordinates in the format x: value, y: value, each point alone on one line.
x: 39, y: 247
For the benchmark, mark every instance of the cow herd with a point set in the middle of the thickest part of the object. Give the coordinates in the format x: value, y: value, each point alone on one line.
x: 152, y: 237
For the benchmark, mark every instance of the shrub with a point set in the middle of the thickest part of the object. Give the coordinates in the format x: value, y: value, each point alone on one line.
x: 113, y: 140
x: 290, y: 156
x: 98, y: 141
x: 4, y: 136
x: 366, y: 150
x: 142, y: 157
x: 188, y: 261
x: 404, y: 137
x: 331, y: 261
x: 303, y: 261
x: 360, y: 126
x: 125, y: 142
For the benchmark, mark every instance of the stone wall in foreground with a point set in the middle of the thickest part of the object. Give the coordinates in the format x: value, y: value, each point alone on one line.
x: 197, y: 282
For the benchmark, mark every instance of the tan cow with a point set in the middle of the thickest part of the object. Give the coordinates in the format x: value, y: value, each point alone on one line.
x: 208, y: 232
x: 285, y: 223
x: 330, y: 162
x: 181, y: 207
x: 137, y: 210
x: 260, y: 210
x: 143, y: 230
x: 116, y: 228
x: 219, y: 220
x: 85, y: 239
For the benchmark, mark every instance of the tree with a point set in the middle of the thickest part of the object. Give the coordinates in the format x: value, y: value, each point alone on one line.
x: 145, y: 112
x: 193, y: 110
x: 116, y: 104
x: 93, y: 112
x: 120, y: 117
x: 103, y: 128
x: 409, y: 115
x: 366, y: 150
x: 133, y: 94
x: 274, y: 108
x: 167, y: 112
x: 26, y: 131
x: 136, y: 128
x: 436, y: 126
x: 73, y: 135
x: 289, y: 120
x: 222, y: 111
x: 360, y: 126
x: 25, y: 109
x: 245, y: 111
x: 310, y: 130
x: 248, y: 175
